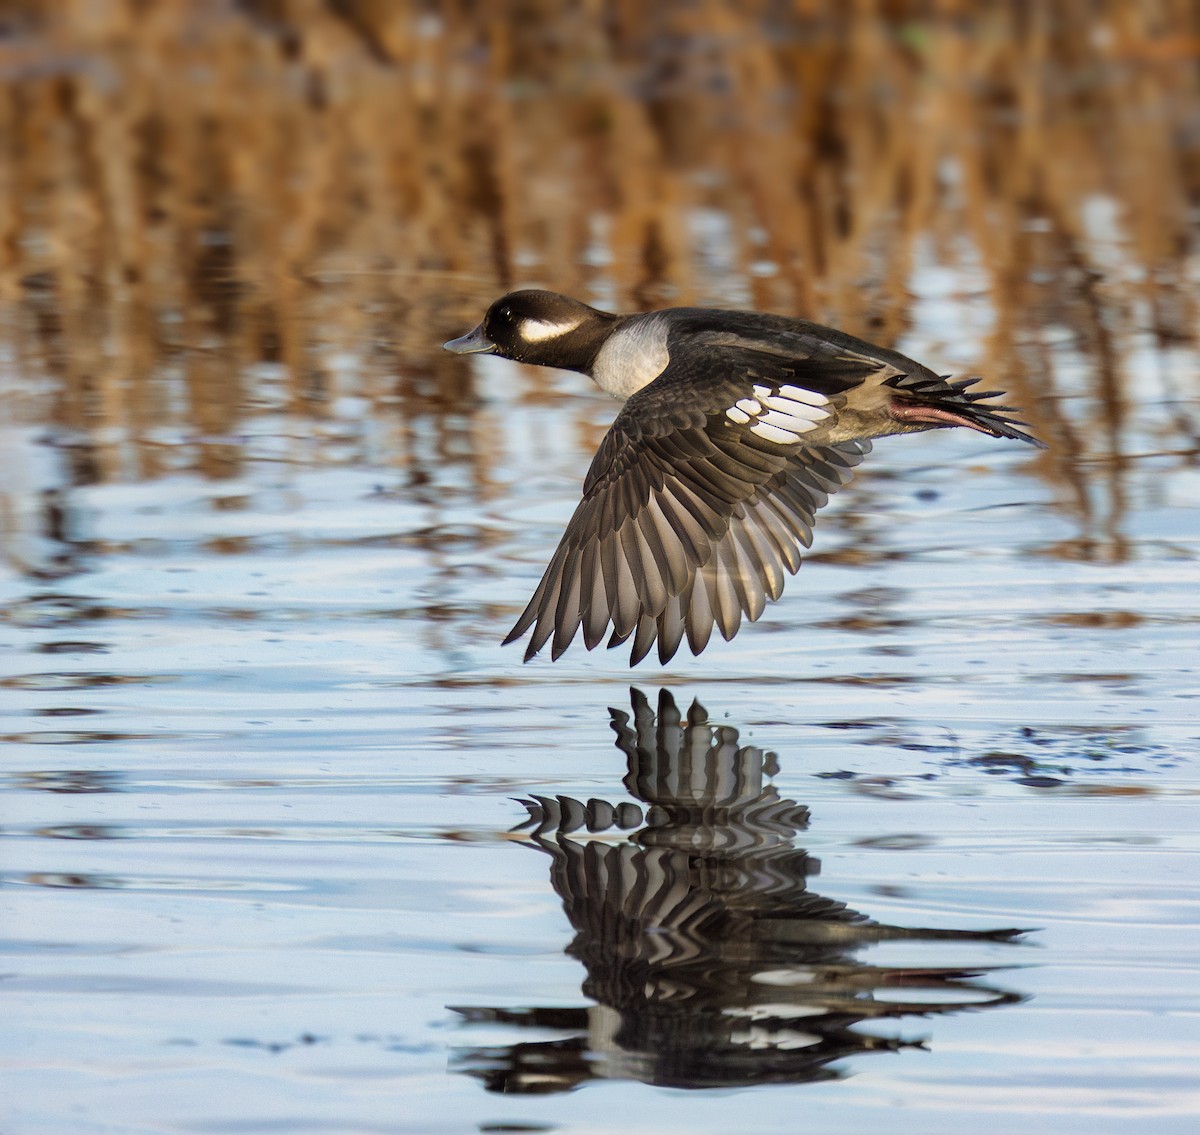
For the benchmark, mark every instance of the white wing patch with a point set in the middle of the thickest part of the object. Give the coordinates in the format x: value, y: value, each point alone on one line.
x: 799, y: 394
x: 781, y: 415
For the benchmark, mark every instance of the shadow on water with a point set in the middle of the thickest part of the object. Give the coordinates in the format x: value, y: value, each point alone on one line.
x: 710, y: 962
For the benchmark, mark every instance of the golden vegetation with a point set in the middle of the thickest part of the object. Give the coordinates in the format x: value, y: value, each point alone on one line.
x: 209, y: 185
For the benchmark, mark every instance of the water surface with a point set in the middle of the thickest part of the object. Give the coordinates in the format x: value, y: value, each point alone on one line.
x: 291, y: 843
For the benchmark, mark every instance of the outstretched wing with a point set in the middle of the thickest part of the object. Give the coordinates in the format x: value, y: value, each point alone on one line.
x: 697, y: 505
x: 746, y: 567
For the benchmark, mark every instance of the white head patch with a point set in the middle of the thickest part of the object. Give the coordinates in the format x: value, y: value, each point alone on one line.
x: 782, y: 415
x: 539, y: 330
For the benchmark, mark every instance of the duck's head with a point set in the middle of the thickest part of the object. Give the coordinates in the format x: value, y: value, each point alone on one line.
x: 543, y: 328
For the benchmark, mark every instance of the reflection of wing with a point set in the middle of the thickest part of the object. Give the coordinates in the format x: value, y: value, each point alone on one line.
x: 706, y: 955
x: 695, y: 507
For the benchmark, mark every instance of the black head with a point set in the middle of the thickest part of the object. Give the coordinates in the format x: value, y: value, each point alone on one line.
x: 539, y: 327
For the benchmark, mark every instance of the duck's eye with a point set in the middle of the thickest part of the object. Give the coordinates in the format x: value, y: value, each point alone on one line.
x: 506, y: 313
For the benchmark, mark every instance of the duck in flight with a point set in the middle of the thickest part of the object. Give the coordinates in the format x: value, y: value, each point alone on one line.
x: 736, y: 427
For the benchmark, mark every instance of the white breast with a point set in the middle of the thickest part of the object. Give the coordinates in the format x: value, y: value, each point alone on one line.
x: 631, y: 358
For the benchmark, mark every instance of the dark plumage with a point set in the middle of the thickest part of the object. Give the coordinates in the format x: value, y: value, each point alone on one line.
x: 737, y: 426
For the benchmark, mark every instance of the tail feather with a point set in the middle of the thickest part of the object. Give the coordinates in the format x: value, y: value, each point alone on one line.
x: 957, y: 400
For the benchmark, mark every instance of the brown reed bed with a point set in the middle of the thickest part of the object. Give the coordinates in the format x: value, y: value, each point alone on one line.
x: 215, y: 184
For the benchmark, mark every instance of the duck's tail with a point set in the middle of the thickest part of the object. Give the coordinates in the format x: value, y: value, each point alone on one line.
x: 940, y: 402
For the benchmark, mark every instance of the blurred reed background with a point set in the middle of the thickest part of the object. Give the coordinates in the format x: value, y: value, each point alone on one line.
x: 190, y: 189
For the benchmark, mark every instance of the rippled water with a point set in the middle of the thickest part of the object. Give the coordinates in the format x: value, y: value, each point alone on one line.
x: 292, y: 844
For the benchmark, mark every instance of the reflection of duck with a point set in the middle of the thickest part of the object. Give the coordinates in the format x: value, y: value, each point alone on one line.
x: 710, y: 962
x: 736, y: 428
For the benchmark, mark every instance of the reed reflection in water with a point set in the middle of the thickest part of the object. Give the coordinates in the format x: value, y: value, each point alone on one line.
x: 709, y: 961
x: 217, y: 213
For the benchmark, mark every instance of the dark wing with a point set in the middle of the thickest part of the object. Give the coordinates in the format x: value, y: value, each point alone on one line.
x: 746, y: 566
x: 828, y: 360
x: 694, y: 509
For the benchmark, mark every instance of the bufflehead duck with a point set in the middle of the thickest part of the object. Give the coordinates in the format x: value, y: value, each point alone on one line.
x: 737, y: 425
